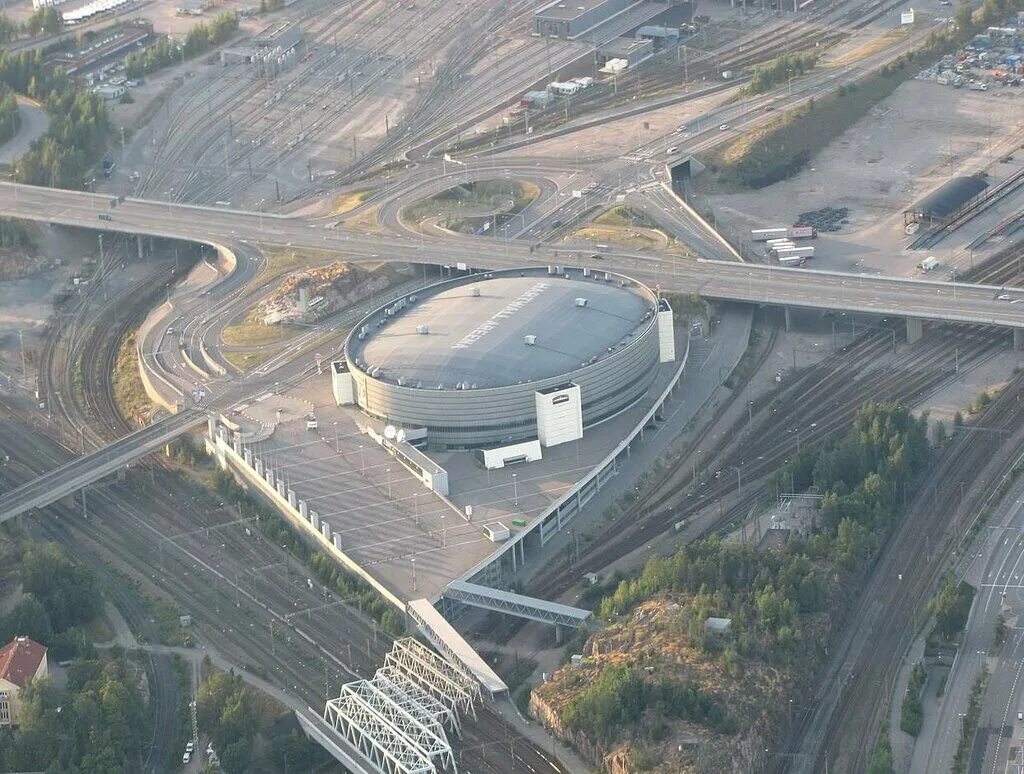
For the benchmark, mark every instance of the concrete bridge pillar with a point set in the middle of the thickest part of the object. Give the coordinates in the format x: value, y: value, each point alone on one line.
x: 1018, y: 338
x: 789, y: 318
x: 915, y: 329
x: 139, y: 246
x: 559, y: 634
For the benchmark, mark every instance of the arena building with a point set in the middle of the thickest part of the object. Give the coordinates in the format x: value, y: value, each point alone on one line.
x: 505, y: 357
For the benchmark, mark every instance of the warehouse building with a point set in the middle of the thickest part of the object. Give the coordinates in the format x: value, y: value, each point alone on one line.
x: 510, y: 356
x: 570, y: 18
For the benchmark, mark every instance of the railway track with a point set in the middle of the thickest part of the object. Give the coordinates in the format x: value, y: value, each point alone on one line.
x: 927, y: 527
x: 821, y: 401
x: 118, y: 534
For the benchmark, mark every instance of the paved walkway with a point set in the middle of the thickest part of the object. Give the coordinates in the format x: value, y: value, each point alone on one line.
x: 34, y: 123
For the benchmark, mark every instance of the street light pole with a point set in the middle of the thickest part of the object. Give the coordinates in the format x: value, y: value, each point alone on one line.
x: 515, y: 490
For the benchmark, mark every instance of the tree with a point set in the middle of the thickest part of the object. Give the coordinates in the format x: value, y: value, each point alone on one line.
x: 964, y: 18
x: 28, y: 617
x: 951, y: 607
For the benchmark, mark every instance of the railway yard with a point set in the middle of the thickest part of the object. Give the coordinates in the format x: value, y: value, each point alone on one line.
x: 367, y: 115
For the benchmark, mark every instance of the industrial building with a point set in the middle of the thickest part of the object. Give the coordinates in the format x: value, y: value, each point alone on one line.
x: 112, y: 45
x: 278, y: 48
x: 946, y: 200
x: 631, y: 50
x: 504, y: 357
x: 568, y: 19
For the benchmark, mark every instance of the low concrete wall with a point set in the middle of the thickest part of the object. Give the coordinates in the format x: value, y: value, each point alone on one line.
x: 212, y: 364
x: 193, y: 365
x: 149, y: 381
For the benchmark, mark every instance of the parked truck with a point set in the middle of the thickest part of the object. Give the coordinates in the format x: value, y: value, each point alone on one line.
x: 791, y: 252
x: 783, y: 232
x: 792, y: 260
x: 929, y: 263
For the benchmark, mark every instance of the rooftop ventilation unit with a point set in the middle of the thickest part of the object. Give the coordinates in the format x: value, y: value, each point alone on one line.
x: 530, y: 340
x: 423, y: 330
x: 475, y: 292
x: 581, y: 302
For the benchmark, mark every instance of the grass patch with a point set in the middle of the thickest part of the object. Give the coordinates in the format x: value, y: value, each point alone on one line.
x: 625, y: 216
x: 970, y: 724
x: 747, y: 362
x: 165, y: 616
x: 871, y: 47
x: 911, y: 714
x: 779, y: 70
x: 881, y: 759
x: 129, y: 393
x: 281, y: 260
x: 243, y: 361
x: 488, y: 196
x: 250, y: 332
x: 348, y: 202
x: 99, y: 629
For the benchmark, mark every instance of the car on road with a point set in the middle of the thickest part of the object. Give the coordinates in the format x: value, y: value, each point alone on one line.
x: 105, y: 216
x: 681, y: 128
x: 723, y: 127
x: 596, y: 257
x: 187, y: 757
x: 673, y: 150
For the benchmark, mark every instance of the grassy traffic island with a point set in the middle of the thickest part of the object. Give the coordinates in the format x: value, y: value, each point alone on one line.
x: 704, y: 650
x: 627, y: 227
x: 480, y: 207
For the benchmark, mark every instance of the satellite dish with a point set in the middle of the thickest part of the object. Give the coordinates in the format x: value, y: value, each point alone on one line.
x: 401, y: 436
x: 390, y: 432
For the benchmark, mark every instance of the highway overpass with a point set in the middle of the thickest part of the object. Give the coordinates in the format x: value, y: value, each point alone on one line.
x: 913, y: 299
x: 69, y: 478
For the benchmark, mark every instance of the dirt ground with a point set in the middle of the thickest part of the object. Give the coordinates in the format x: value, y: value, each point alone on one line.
x: 908, y: 145
x: 611, y: 139
x: 26, y: 304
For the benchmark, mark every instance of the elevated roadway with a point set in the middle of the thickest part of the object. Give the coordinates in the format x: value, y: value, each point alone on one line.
x: 69, y: 478
x: 911, y: 298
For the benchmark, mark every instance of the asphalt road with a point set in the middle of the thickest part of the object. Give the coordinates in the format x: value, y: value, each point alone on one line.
x: 922, y: 299
x: 995, y: 567
x: 34, y: 123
